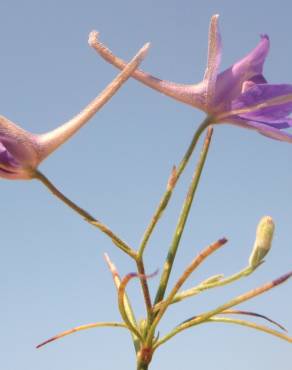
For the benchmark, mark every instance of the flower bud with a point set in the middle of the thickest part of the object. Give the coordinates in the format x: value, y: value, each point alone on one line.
x: 263, y: 241
x: 143, y: 326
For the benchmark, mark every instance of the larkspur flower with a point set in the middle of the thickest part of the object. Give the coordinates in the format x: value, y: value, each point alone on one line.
x: 240, y: 95
x: 21, y: 152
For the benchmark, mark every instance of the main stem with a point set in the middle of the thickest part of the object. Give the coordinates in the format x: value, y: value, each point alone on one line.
x: 142, y: 366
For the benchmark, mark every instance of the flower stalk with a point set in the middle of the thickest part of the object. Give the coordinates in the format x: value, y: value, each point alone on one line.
x: 174, y: 177
x: 87, y: 216
x: 183, y: 218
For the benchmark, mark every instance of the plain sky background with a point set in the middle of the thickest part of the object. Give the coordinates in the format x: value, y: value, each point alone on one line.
x: 52, y: 273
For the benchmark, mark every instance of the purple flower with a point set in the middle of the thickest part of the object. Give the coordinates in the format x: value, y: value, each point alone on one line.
x: 21, y: 152
x: 240, y: 95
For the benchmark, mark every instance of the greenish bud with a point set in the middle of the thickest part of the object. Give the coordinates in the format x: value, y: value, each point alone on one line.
x: 263, y: 241
x: 143, y: 327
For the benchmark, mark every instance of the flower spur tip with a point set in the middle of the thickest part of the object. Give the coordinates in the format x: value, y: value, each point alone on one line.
x: 265, y: 36
x: 93, y: 37
x: 144, y: 50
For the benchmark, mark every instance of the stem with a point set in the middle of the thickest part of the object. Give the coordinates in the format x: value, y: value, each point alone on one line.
x: 167, y: 195
x: 192, y: 266
x: 204, y: 286
x: 238, y: 275
x: 144, y: 357
x: 141, y: 366
x: 87, y: 216
x: 145, y: 288
x: 185, y: 209
x: 175, y: 175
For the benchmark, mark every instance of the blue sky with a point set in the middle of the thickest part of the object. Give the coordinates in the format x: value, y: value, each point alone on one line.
x: 52, y: 273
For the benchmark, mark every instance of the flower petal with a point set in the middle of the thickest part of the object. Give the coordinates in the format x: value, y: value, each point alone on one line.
x: 229, y: 83
x: 213, y: 61
x: 276, y: 123
x: 263, y: 129
x: 274, y: 114
x: 6, y: 158
x: 9, y: 166
x: 258, y: 79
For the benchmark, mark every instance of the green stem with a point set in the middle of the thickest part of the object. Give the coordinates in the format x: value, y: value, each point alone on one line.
x: 145, y: 288
x: 184, y: 213
x: 204, y: 286
x: 188, y: 271
x: 144, y: 357
x: 141, y: 366
x: 87, y: 216
x: 158, y: 213
x: 167, y: 195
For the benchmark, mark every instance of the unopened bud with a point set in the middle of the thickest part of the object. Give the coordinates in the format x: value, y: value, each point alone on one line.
x: 143, y: 326
x: 263, y: 241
